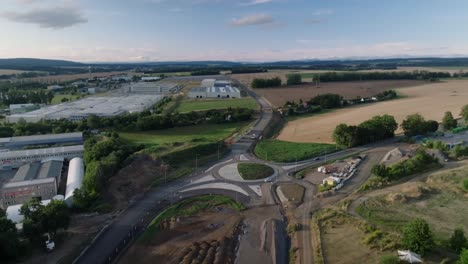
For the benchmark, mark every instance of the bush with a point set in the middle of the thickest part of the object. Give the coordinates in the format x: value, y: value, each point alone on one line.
x: 417, y: 236
x: 465, y: 184
x: 458, y: 240
x: 389, y: 259
x: 448, y: 122
x: 463, y: 259
x: 415, y: 125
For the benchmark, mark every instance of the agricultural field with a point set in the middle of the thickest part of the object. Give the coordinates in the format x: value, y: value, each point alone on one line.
x: 254, y: 171
x: 284, y: 151
x: 195, y: 134
x: 202, y: 105
x: 447, y: 96
x: 203, y: 228
x: 349, y: 90
x: 9, y: 72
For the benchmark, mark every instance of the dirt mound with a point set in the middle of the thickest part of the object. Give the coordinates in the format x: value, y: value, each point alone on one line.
x: 412, y: 191
x: 132, y: 180
x: 209, y: 237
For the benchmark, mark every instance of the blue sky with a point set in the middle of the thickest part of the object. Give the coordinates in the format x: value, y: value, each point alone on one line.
x: 237, y: 30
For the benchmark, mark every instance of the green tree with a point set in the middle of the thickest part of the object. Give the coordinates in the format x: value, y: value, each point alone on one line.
x: 417, y: 236
x: 93, y: 122
x: 389, y: 259
x: 448, y: 122
x: 56, y: 215
x: 458, y: 240
x: 464, y: 113
x: 463, y: 259
x: 294, y: 79
x: 10, y: 245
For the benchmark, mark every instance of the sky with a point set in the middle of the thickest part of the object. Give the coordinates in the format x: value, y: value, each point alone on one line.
x: 234, y: 30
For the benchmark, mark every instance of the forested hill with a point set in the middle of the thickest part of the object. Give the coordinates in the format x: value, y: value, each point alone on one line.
x: 33, y: 64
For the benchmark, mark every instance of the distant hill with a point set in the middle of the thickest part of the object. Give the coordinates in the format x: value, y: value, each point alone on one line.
x: 36, y: 64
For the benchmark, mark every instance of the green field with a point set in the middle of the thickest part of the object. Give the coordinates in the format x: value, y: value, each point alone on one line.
x: 284, y: 151
x: 58, y: 98
x: 254, y: 171
x: 201, y: 133
x: 201, y: 105
x: 188, y: 207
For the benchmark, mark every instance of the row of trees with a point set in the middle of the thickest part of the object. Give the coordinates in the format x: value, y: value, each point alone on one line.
x: 38, y: 220
x: 205, y: 72
x: 266, y: 83
x: 103, y: 158
x: 294, y: 79
x: 135, y: 121
x: 25, y: 97
x: 377, y: 128
x: 367, y: 76
x: 416, y: 125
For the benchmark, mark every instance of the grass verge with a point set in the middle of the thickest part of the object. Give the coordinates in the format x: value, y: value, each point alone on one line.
x: 188, y: 207
x: 254, y: 171
x: 284, y: 151
x: 203, y: 105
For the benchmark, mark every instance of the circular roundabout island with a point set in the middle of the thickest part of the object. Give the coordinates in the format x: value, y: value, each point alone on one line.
x: 254, y: 171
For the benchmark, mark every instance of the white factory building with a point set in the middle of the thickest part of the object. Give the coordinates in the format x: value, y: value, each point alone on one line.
x: 215, y: 92
x: 74, y: 178
x: 16, y: 159
x: 148, y: 87
x: 81, y: 109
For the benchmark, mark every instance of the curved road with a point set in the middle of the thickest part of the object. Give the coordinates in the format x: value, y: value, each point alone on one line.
x: 129, y: 223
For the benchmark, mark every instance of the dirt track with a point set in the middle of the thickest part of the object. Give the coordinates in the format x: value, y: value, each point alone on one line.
x: 430, y: 100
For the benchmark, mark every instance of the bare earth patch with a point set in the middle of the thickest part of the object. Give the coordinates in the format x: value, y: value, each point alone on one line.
x: 208, y: 236
x: 430, y: 100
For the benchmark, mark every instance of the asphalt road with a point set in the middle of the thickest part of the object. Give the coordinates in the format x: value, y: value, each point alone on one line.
x: 125, y: 226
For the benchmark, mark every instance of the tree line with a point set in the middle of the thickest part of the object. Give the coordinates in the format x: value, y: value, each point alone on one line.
x: 377, y: 128
x: 143, y: 121
x: 265, y: 83
x: 367, y: 76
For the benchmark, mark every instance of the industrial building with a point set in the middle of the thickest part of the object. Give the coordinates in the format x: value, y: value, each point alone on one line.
x: 150, y: 79
x: 13, y: 212
x: 74, y: 178
x: 222, y: 83
x: 15, y: 159
x: 215, y: 92
x: 81, y: 109
x: 51, y: 139
x: 208, y: 83
x: 154, y: 88
x: 22, y: 108
x: 33, y: 180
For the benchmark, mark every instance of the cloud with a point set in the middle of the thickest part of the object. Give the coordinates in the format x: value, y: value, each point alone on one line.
x: 314, y: 21
x: 55, y: 17
x: 253, y: 20
x: 256, y: 2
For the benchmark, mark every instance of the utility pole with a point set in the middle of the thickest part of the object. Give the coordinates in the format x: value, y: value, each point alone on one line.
x: 196, y: 163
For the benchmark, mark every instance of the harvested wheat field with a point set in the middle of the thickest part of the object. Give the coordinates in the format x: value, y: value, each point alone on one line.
x: 430, y: 100
x: 349, y: 90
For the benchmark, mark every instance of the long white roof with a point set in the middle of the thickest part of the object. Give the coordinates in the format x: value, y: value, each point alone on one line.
x: 44, y: 151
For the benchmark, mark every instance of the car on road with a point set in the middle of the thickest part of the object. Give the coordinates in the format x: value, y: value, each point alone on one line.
x: 268, y: 180
x: 254, y: 136
x: 317, y: 158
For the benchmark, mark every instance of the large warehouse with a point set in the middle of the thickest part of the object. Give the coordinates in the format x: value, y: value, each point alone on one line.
x: 50, y: 139
x: 15, y: 159
x: 32, y: 180
x: 215, y: 92
x: 154, y: 88
x: 81, y: 109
